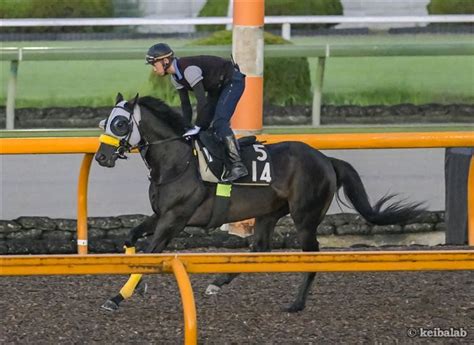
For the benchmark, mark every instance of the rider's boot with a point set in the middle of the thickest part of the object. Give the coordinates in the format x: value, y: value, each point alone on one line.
x: 238, y: 168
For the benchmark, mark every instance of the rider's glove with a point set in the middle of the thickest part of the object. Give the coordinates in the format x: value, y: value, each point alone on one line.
x: 193, y: 131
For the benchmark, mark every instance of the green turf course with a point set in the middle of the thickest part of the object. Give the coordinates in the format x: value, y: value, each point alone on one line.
x: 358, y: 81
x: 39, y: 133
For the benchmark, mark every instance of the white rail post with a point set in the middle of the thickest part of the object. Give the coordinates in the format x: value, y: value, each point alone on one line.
x: 11, y: 95
x: 230, y: 14
x: 317, y: 92
x: 286, y: 31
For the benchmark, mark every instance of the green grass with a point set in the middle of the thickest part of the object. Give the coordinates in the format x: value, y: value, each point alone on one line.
x: 78, y: 83
x: 382, y: 39
x: 357, y: 81
x: 366, y: 129
x: 395, y: 80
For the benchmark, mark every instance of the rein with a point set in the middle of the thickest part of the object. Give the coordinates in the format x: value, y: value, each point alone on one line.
x: 144, y: 148
x: 156, y: 142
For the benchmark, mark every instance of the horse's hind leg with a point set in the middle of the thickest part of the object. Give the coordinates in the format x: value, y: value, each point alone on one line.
x: 309, y: 244
x: 307, y: 226
x: 264, y: 227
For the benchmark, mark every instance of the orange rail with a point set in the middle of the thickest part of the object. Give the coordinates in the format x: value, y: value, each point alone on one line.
x: 48, y: 145
x: 319, y: 141
x: 336, y: 261
x: 187, y: 298
x: 377, y: 140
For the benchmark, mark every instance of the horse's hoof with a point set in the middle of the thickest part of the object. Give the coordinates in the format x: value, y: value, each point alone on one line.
x: 212, y: 289
x: 294, y: 308
x: 142, y: 289
x: 110, y: 305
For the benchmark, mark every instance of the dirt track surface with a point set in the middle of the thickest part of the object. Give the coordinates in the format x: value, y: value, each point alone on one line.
x: 349, y: 308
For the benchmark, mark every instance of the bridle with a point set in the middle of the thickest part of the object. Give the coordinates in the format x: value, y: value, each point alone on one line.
x: 123, y: 145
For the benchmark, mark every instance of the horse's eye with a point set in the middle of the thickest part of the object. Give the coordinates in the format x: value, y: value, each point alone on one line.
x: 120, y: 126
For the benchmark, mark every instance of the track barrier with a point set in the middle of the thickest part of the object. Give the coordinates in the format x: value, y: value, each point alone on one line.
x: 182, y: 264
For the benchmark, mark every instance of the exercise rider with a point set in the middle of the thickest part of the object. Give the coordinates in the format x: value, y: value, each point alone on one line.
x: 217, y: 84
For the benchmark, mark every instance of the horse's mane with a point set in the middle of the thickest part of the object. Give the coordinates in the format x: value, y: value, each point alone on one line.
x: 165, y: 113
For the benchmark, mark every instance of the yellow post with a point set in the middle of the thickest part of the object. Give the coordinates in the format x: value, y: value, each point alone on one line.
x: 470, y: 203
x: 247, y: 49
x: 82, y: 204
x: 187, y: 298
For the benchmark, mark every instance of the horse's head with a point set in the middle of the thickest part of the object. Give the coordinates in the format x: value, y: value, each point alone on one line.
x: 145, y: 120
x: 121, y: 131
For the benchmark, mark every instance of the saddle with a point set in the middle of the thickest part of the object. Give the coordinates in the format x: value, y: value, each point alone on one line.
x: 213, y: 164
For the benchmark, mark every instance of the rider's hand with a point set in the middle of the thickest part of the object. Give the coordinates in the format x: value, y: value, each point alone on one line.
x: 193, y: 131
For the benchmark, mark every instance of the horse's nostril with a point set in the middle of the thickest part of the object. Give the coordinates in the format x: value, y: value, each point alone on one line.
x: 101, y: 157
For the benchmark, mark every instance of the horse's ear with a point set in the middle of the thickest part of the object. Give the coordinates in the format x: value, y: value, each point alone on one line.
x: 135, y: 101
x: 119, y: 98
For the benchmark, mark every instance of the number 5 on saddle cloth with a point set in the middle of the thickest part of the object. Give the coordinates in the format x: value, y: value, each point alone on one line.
x: 213, y: 165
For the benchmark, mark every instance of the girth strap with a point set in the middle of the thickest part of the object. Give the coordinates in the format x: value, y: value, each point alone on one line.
x: 220, y: 208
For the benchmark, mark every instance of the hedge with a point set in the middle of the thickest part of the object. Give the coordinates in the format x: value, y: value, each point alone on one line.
x: 218, y: 8
x: 56, y: 9
x: 451, y: 7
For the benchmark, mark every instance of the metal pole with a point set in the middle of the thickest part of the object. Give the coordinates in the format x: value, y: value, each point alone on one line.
x: 187, y: 298
x: 317, y: 92
x: 11, y: 95
x: 82, y: 244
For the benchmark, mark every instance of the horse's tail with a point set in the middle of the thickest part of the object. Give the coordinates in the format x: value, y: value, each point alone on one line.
x: 394, y: 213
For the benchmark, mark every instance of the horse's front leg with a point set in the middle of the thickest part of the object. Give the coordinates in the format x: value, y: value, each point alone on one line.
x: 169, y: 224
x: 146, y: 227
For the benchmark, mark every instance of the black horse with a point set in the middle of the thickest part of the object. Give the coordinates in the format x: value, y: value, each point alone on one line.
x: 303, y: 185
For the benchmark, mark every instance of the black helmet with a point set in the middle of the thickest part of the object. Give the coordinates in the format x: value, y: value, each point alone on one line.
x: 157, y: 52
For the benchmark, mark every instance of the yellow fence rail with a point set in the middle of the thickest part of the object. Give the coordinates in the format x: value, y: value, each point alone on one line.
x: 182, y: 264
x: 320, y: 141
x: 432, y: 260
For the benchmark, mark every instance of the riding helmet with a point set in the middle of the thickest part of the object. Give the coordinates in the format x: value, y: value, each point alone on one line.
x: 157, y: 52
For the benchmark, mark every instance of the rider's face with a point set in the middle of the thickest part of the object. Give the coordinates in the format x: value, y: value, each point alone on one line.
x: 158, y: 68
